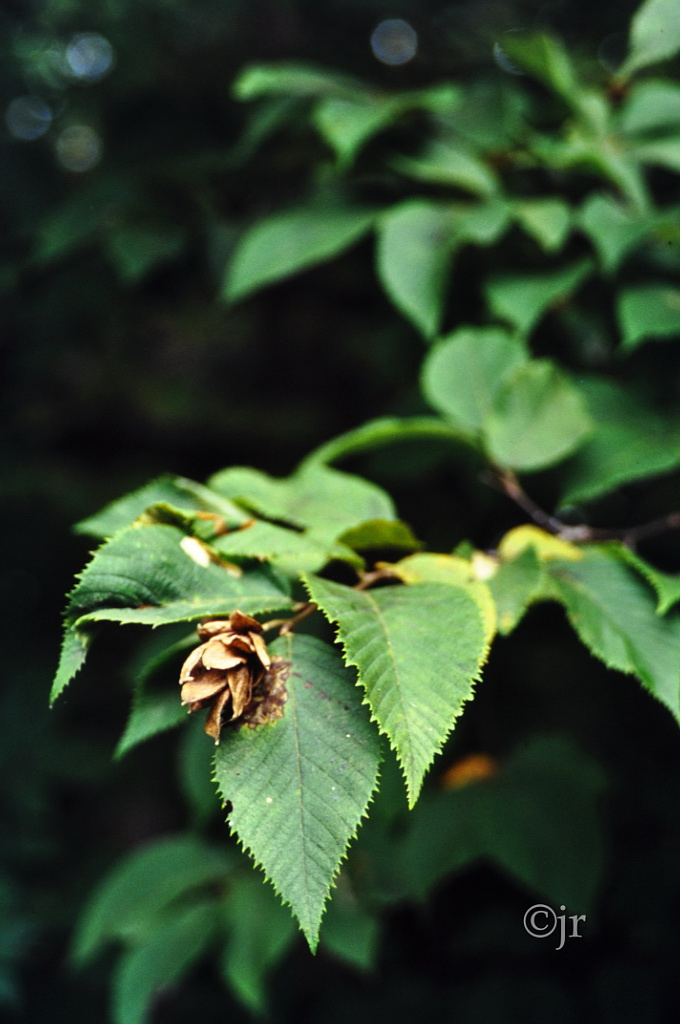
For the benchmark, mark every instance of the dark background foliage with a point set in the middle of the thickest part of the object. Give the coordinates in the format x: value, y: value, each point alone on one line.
x: 114, y: 371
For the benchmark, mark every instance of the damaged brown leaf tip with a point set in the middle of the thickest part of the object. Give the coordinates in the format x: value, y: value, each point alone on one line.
x: 232, y: 673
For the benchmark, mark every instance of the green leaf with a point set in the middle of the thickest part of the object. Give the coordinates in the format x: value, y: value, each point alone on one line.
x: 194, y: 772
x: 463, y: 373
x: 76, y: 221
x: 285, y: 243
x: 390, y: 635
x: 630, y: 441
x: 416, y: 243
x: 617, y: 164
x: 547, y: 221
x: 162, y: 960
x: 290, y: 550
x: 545, y: 58
x: 538, y: 818
x: 455, y: 571
x: 176, y: 491
x: 136, y: 249
x: 651, y: 105
x: 376, y: 534
x: 450, y: 164
x: 145, y: 575
x: 522, y: 299
x: 480, y: 223
x: 128, y: 903
x: 326, y: 501
x: 614, y: 614
x: 514, y: 586
x: 538, y: 418
x: 415, y: 246
x: 260, y: 933
x: 648, y: 311
x: 74, y: 648
x: 151, y: 714
x: 298, y: 787
x: 291, y: 79
x: 654, y: 35
x: 666, y: 585
x: 660, y: 153
x: 349, y: 931
x: 381, y: 432
x: 155, y: 705
x: 614, y: 229
x: 347, y: 124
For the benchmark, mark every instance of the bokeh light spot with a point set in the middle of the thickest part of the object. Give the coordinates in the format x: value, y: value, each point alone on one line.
x: 79, y: 148
x: 89, y: 56
x: 27, y: 117
x: 394, y: 41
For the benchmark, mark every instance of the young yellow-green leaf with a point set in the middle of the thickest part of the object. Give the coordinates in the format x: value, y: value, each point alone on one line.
x: 463, y: 373
x: 298, y: 787
x: 285, y: 243
x: 522, y: 299
x: 429, y: 567
x: 654, y: 35
x: 145, y: 575
x: 520, y: 578
x: 648, y: 311
x: 614, y: 613
x: 415, y: 245
x: 546, y: 546
x: 419, y: 650
x: 537, y: 418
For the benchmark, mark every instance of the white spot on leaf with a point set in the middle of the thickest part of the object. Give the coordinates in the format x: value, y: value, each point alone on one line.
x: 197, y: 551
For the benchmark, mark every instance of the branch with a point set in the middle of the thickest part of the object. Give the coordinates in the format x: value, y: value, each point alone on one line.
x: 508, y: 483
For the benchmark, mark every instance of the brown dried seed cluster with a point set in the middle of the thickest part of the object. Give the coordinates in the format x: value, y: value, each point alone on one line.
x: 227, y: 672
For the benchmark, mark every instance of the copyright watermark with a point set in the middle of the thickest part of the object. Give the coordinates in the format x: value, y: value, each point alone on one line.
x: 541, y: 921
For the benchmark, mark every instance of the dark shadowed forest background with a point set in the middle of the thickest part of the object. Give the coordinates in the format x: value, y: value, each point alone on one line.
x: 129, y: 171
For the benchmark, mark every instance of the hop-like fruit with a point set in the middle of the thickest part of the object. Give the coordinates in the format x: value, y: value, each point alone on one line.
x: 227, y: 673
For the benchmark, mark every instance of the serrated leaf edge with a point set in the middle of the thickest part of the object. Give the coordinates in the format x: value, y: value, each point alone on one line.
x: 412, y: 794
x: 313, y: 937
